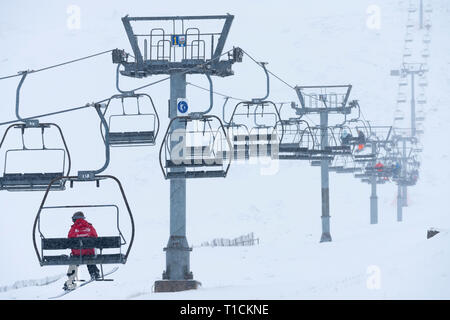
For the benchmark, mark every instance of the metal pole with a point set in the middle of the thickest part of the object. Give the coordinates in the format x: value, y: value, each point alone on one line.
x: 177, y: 250
x: 399, y: 203
x: 413, y: 107
x: 373, y: 196
x: 421, y: 14
x: 326, y: 235
x: 405, y: 188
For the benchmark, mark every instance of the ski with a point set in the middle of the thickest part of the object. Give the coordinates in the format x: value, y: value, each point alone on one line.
x: 85, y: 283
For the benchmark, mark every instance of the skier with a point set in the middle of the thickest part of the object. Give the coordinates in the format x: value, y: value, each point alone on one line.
x: 379, y: 167
x: 81, y: 228
x: 345, y: 138
x: 396, y: 169
x: 361, y: 140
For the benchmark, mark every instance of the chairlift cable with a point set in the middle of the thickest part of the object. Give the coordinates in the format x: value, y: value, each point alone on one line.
x: 57, y: 65
x: 101, y: 101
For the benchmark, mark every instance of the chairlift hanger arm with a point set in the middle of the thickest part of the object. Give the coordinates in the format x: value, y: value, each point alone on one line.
x: 128, y: 92
x: 24, y: 75
x: 258, y: 100
x: 211, y: 97
x: 223, y: 110
x: 106, y: 140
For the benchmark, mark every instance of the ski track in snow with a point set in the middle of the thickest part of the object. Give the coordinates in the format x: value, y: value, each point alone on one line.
x: 20, y: 284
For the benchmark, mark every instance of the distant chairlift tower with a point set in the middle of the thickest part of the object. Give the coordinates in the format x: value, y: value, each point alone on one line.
x: 407, y: 147
x: 324, y: 100
x: 176, y: 46
x: 411, y: 69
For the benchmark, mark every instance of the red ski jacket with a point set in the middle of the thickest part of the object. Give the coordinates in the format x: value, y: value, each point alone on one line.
x: 82, y: 228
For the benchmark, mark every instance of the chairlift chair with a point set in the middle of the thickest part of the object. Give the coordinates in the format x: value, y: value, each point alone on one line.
x: 35, y: 181
x: 425, y: 53
x: 254, y: 131
x: 426, y: 38
x: 423, y: 81
x: 127, y: 137
x: 297, y: 143
x: 407, y: 52
x: 195, y: 146
x: 421, y: 99
x: 410, y: 23
x: 403, y: 81
x: 110, y: 242
x: 399, y: 115
x: 420, y: 115
x: 409, y: 37
x: 401, y: 98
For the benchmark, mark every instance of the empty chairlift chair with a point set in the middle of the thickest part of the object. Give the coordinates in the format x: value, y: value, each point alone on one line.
x: 297, y: 139
x: 133, y: 120
x: 44, y: 156
x: 403, y: 81
x: 253, y: 129
x: 410, y: 23
x: 407, y: 52
x: 425, y: 53
x: 409, y: 37
x: 399, y: 115
x: 421, y: 99
x: 59, y: 215
x: 420, y: 115
x: 194, y: 147
x: 423, y: 82
x: 401, y: 98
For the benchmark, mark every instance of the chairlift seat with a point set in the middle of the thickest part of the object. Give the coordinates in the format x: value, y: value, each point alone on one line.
x: 292, y: 147
x: 30, y: 181
x: 294, y: 157
x: 346, y: 170
x: 79, y: 244
x: 129, y: 138
x: 339, y: 149
x: 252, y: 137
x: 255, y: 150
x: 80, y: 260
x: 197, y: 174
x: 193, y: 162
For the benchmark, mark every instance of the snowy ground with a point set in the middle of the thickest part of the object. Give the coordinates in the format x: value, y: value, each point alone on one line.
x: 305, y: 43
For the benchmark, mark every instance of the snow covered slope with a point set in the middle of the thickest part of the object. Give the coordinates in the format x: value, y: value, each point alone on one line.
x: 320, y: 42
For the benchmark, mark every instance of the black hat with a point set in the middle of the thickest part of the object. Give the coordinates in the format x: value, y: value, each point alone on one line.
x: 78, y: 215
